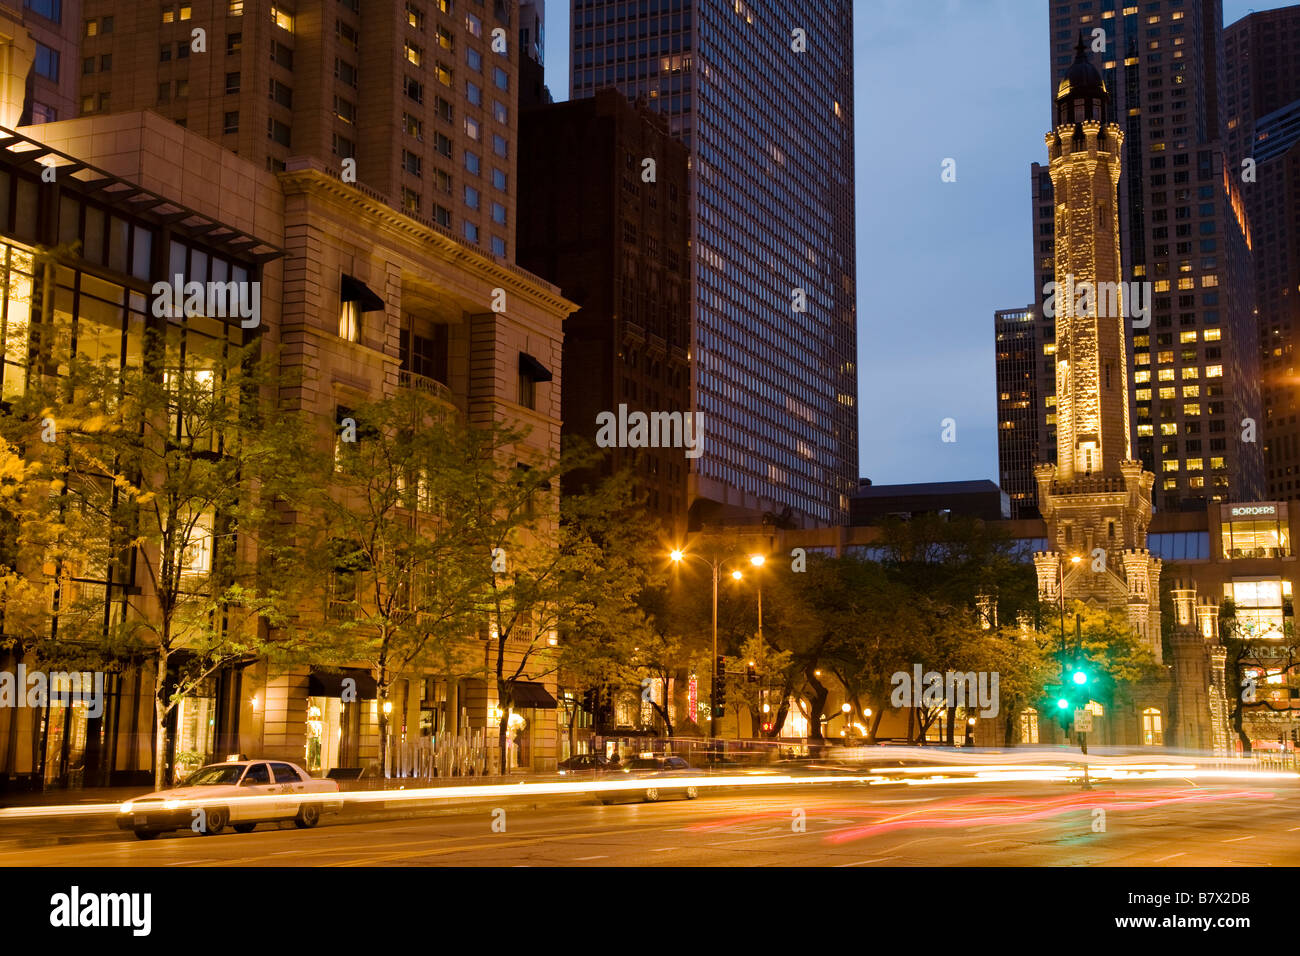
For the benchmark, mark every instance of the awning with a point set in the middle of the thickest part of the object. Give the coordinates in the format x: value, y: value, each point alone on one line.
x: 330, y: 683
x: 533, y: 369
x: 354, y: 290
x: 530, y: 694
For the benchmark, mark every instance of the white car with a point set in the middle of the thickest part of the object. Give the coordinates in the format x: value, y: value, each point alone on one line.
x: 242, y: 793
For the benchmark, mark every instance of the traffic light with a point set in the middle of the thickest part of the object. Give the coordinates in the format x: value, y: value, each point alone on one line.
x: 720, y: 686
x: 751, y: 673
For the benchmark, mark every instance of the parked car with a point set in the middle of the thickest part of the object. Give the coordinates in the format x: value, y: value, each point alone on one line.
x: 586, y: 764
x: 221, y: 789
x: 659, y: 771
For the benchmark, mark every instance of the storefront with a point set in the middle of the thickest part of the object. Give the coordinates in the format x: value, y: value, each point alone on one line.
x: 335, y: 704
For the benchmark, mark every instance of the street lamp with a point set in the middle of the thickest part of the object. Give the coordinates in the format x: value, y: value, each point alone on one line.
x: 757, y: 560
x: 677, y: 555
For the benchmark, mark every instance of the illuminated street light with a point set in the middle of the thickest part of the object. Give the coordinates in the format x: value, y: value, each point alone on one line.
x: 736, y: 575
x: 757, y: 560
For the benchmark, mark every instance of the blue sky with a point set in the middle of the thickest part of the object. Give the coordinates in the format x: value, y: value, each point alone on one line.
x: 966, y: 80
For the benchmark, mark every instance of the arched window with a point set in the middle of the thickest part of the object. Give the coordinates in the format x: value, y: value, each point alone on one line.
x: 1153, y: 734
x: 1029, y: 726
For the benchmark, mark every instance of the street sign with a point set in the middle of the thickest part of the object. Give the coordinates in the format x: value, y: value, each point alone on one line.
x: 1083, y: 720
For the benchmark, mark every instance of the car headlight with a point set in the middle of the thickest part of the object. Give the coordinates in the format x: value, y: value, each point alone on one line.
x: 171, y: 804
x: 125, y: 808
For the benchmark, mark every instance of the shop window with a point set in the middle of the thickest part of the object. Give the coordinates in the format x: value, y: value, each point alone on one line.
x: 1153, y: 734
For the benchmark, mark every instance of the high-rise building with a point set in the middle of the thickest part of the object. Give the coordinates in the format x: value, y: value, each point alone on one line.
x: 421, y: 94
x: 763, y: 99
x: 44, y: 36
x: 1026, y: 429
x: 1262, y: 103
x: 619, y: 246
x: 1194, y: 369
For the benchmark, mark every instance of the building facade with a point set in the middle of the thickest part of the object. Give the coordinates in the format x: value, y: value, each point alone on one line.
x: 773, y: 332
x: 1194, y: 369
x: 614, y: 234
x: 362, y: 300
x: 1262, y: 103
x: 1026, y: 383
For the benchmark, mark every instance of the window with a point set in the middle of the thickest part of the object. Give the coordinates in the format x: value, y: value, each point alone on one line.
x: 499, y: 145
x: 473, y: 93
x: 281, y: 94
x: 232, y: 82
x: 347, y: 35
x: 472, y: 162
x: 442, y: 144
x: 165, y: 53
x: 281, y: 18
x: 443, y: 180
x: 43, y: 113
x: 442, y: 216
x: 472, y: 129
x: 471, y: 232
x: 230, y: 122
x: 414, y: 17
x: 474, y: 25
x: 413, y: 127
x: 47, y: 62
x: 234, y: 43
x: 499, y: 178
x: 411, y: 162
x: 445, y: 39
x: 277, y: 131
x: 49, y: 9
x: 1029, y: 726
x: 164, y: 93
x: 236, y: 8
x: 471, y: 197
x: 345, y: 71
x: 350, y: 321
x: 88, y: 65
x: 501, y: 78
x: 474, y: 58
x: 498, y: 213
x: 443, y: 108
x: 92, y: 28
x: 182, y: 89
x: 443, y: 73
x: 343, y: 147
x: 345, y: 109
x: 414, y: 90
x: 411, y: 201
x: 498, y: 246
x: 413, y: 54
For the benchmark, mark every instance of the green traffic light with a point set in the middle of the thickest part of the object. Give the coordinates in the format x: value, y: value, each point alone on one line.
x: 1062, y: 703
x: 1080, y: 677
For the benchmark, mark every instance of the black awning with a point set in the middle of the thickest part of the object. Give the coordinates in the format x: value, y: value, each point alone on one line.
x: 530, y: 694
x: 354, y: 290
x: 533, y: 369
x: 330, y: 683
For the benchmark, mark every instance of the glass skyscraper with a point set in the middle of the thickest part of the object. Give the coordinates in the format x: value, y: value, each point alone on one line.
x: 763, y: 97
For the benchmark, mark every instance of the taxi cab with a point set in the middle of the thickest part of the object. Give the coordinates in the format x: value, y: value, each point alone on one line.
x: 239, y: 792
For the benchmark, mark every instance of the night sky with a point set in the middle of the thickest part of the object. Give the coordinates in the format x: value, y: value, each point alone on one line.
x: 935, y: 79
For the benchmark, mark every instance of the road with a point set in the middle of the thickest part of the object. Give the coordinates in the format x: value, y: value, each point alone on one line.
x: 1141, y: 823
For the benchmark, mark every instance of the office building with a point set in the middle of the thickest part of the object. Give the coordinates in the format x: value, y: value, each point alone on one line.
x: 773, y: 332
x: 1026, y: 384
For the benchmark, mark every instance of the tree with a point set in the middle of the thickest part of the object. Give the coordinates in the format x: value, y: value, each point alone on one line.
x: 166, y: 476
x: 1250, y: 661
x: 391, y: 534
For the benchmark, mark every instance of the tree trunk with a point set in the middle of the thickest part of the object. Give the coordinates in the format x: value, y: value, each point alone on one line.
x: 911, y: 725
x: 160, y: 721
x: 952, y: 723
x: 875, y: 724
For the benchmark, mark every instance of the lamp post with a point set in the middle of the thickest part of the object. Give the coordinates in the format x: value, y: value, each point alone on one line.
x: 677, y: 555
x: 757, y: 561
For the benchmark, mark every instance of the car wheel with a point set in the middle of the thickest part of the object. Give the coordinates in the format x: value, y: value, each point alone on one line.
x: 308, y: 816
x: 146, y: 834
x: 243, y: 827
x: 651, y: 795
x: 692, y: 793
x: 216, y: 820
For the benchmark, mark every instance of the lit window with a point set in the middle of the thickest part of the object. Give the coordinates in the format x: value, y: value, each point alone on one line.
x: 1187, y: 336
x: 1142, y: 376
x: 1191, y: 372
x: 1168, y: 391
x: 1212, y: 335
x: 282, y: 19
x: 1191, y: 391
x: 1214, y: 371
x: 1165, y: 375
x: 1195, y: 464
x: 413, y: 54
x: 1194, y: 409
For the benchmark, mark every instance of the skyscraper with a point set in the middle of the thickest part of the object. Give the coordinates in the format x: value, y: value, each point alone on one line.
x: 762, y: 95
x: 1194, y: 376
x: 1262, y: 103
x: 1022, y: 427
x: 420, y: 94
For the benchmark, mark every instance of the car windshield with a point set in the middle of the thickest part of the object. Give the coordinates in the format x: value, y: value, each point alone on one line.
x: 216, y: 774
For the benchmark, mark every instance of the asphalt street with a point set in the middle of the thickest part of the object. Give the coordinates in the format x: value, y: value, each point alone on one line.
x: 1133, y: 823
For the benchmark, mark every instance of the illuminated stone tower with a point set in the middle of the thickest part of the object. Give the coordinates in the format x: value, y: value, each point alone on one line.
x: 1096, y: 500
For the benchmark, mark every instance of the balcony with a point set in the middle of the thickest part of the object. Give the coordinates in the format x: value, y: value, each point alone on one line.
x: 426, y: 385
